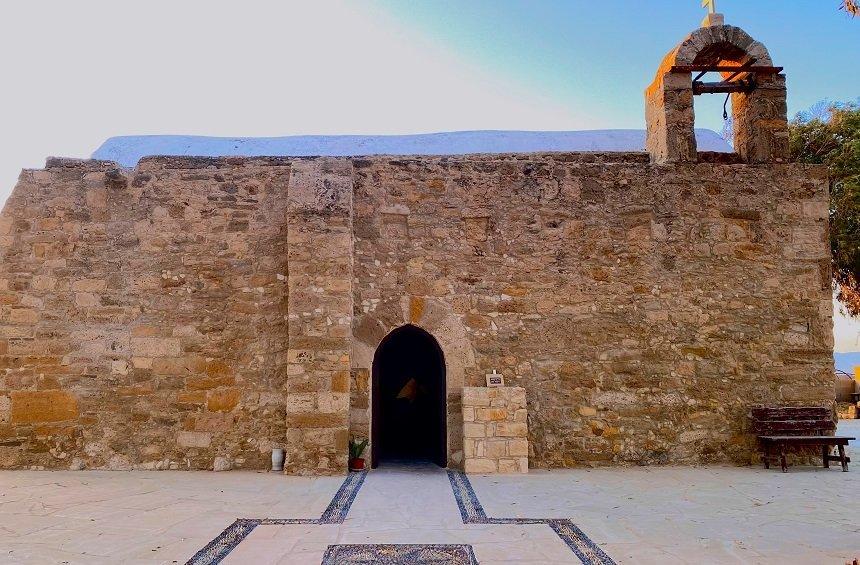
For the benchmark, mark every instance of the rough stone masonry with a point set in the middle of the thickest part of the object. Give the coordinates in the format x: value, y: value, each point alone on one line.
x: 495, y: 430
x: 196, y: 312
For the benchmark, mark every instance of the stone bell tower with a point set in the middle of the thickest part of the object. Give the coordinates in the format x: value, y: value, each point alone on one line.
x: 757, y: 89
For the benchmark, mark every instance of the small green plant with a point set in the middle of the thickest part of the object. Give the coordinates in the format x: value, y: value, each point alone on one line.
x: 356, y: 448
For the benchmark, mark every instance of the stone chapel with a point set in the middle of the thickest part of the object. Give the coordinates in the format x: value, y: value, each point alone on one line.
x: 194, y: 312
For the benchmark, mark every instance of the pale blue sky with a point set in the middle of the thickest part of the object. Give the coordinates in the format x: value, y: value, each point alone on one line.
x: 598, y: 56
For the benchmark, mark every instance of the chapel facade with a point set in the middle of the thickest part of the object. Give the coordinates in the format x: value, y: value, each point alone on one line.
x: 197, y: 312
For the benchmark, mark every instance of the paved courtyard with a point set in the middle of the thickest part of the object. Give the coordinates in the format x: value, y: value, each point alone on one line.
x: 625, y: 515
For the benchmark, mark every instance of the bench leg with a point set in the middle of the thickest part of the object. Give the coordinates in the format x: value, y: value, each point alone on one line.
x: 766, y: 456
x: 825, y: 451
x: 842, y: 459
x: 782, y: 462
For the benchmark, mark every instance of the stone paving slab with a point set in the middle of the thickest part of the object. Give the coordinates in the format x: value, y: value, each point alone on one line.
x: 723, y: 514
x: 139, y: 516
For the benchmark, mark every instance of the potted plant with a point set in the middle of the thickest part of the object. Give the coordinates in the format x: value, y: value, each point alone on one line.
x: 356, y: 448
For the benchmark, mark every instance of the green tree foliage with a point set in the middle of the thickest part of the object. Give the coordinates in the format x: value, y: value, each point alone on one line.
x: 830, y: 134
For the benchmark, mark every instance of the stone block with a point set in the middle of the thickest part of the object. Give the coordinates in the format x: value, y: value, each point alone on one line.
x: 480, y: 466
x: 202, y: 382
x: 511, y: 429
x: 5, y: 409
x: 317, y: 420
x: 518, y: 447
x: 301, y: 402
x: 476, y: 228
x: 191, y: 397
x: 480, y: 447
x: 476, y: 396
x: 340, y: 381
x: 141, y: 362
x: 517, y: 397
x: 145, y: 331
x: 43, y: 282
x: 215, y: 422
x: 23, y: 316
x: 508, y: 466
x: 468, y: 447
x: 34, y: 406
x: 169, y: 366
x: 333, y: 402
x: 155, y: 347
x: 490, y: 414
x: 495, y: 449
x: 523, y: 463
x: 86, y: 300
x: 215, y: 368
x: 119, y: 367
x: 194, y: 439
x: 713, y: 19
x: 222, y: 464
x: 223, y: 400
x: 472, y: 429
x: 89, y: 285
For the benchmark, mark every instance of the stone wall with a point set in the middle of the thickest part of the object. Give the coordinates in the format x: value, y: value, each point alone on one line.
x: 195, y: 309
x: 495, y: 430
x: 643, y: 307
x: 143, y: 318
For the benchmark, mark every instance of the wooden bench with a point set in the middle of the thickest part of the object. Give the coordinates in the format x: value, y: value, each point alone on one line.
x: 781, y: 428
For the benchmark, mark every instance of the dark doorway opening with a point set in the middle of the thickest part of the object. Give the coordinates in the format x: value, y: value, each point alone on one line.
x: 409, y: 399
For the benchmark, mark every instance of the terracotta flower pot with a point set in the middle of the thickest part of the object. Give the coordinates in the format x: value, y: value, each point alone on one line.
x: 356, y: 464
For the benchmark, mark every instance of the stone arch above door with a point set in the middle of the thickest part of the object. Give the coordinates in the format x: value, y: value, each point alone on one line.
x: 437, y: 318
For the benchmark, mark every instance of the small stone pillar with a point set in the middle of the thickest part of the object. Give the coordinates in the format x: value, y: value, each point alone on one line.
x: 495, y: 430
x: 761, y: 122
x: 670, y: 134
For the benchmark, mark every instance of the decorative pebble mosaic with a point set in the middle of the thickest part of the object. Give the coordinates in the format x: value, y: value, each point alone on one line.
x: 471, y: 512
x: 405, y: 554
x: 226, y: 541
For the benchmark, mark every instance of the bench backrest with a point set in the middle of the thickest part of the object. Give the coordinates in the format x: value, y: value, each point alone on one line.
x: 792, y: 420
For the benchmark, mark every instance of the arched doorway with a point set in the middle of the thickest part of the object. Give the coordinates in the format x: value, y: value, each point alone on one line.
x: 409, y: 412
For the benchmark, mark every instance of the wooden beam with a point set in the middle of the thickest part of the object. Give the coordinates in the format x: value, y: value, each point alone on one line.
x: 718, y: 87
x: 739, y: 70
x: 725, y: 69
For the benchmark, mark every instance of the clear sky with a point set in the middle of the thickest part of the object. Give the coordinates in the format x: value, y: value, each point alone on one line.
x: 75, y: 73
x: 596, y: 57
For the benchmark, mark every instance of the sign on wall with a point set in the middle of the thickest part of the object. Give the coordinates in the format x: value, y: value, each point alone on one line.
x: 495, y: 379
